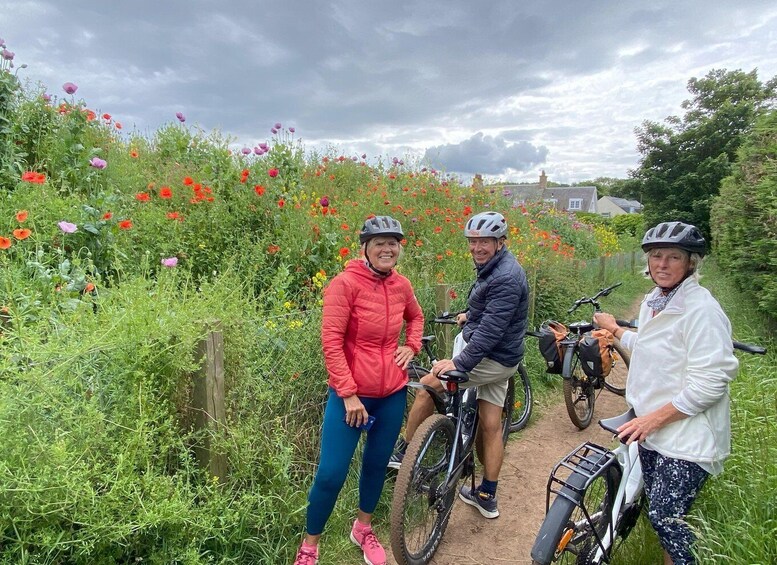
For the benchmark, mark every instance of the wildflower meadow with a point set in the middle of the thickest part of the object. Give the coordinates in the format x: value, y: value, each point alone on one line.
x: 118, y: 250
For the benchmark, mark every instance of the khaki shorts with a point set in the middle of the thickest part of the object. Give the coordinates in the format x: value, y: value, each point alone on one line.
x: 491, y: 378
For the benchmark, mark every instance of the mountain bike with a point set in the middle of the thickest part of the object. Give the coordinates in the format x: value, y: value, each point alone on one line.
x: 599, y: 497
x: 581, y: 383
x: 523, y: 399
x: 441, y: 453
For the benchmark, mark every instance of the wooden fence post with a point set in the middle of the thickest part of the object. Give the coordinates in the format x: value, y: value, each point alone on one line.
x: 633, y: 262
x: 208, y: 401
x: 443, y: 303
x: 602, y: 269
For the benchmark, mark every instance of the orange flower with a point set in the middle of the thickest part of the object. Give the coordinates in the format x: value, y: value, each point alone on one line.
x: 89, y: 287
x: 273, y: 249
x: 21, y: 233
x: 134, y: 153
x: 259, y: 189
x: 419, y: 243
x: 142, y: 197
x: 344, y: 251
x: 165, y: 192
x: 21, y: 216
x: 174, y: 216
x: 281, y: 203
x: 118, y: 125
x: 125, y: 224
x: 188, y: 181
x: 345, y: 227
x: 107, y: 215
x: 90, y: 115
x: 5, y: 243
x: 437, y: 229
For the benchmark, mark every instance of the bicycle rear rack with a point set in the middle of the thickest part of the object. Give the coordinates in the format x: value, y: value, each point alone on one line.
x: 572, y: 476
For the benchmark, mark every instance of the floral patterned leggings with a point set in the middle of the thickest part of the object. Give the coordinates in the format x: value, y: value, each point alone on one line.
x: 671, y: 486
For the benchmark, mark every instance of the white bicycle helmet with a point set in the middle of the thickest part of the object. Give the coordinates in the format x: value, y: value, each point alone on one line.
x: 380, y: 226
x: 675, y: 234
x: 486, y: 224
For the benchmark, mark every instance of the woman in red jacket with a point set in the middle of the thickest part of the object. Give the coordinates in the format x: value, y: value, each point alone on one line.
x: 364, y: 310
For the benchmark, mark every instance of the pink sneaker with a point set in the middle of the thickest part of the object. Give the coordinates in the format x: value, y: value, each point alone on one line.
x: 363, y: 536
x: 307, y: 555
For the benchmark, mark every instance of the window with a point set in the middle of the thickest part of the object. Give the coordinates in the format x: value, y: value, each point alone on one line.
x: 575, y: 204
x: 552, y: 201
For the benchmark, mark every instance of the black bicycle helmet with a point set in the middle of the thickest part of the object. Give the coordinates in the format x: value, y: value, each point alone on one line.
x: 380, y: 226
x: 486, y: 224
x: 675, y: 234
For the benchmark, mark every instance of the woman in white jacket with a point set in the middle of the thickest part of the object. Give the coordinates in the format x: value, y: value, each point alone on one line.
x: 682, y: 361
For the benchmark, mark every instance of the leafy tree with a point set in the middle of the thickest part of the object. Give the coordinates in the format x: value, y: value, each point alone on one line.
x: 685, y: 159
x: 744, y: 215
x: 632, y: 224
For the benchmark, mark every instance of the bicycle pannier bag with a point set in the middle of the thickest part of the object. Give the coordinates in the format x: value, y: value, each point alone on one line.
x: 595, y: 355
x: 551, y: 333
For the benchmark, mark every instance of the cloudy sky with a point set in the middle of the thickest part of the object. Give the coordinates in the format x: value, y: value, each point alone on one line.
x: 504, y: 88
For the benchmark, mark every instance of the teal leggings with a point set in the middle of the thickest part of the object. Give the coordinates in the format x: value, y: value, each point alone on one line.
x: 338, y: 443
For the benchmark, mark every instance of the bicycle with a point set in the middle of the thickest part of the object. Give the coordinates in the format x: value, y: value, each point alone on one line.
x: 441, y: 453
x: 599, y: 497
x: 580, y: 381
x: 523, y: 398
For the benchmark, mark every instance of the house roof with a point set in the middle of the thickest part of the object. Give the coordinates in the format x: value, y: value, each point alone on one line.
x: 562, y: 194
x: 625, y: 204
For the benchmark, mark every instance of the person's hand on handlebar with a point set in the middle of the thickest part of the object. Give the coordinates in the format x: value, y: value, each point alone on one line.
x: 355, y: 412
x: 606, y: 321
x: 443, y: 366
x: 402, y: 356
x: 461, y: 319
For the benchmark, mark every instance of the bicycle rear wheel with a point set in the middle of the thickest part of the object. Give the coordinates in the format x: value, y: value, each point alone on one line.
x: 566, y: 535
x: 579, y: 392
x: 616, y: 380
x: 421, y: 505
x: 523, y: 401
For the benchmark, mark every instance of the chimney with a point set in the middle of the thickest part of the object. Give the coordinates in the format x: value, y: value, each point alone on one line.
x: 477, y: 182
x: 543, y: 181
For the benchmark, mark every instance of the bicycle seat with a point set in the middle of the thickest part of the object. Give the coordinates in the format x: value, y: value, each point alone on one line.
x: 428, y: 339
x: 612, y: 424
x: 580, y: 327
x: 454, y: 376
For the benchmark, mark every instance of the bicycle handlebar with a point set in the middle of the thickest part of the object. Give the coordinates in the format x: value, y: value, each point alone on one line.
x: 746, y: 347
x: 448, y: 318
x: 592, y: 300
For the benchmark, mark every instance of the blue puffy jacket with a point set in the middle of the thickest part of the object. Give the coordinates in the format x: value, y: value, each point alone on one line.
x: 497, y: 311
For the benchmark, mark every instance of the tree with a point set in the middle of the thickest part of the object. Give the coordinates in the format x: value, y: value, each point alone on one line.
x: 744, y: 216
x: 685, y: 159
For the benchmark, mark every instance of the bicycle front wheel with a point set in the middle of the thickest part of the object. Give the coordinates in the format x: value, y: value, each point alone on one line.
x: 579, y: 392
x: 616, y: 380
x: 421, y: 505
x: 523, y: 401
x: 566, y: 535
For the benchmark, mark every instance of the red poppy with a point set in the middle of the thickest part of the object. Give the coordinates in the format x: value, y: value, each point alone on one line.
x: 5, y: 243
x: 174, y: 216
x: 273, y: 249
x: 345, y: 227
x: 118, y: 125
x: 245, y: 173
x: 273, y: 173
x: 90, y: 115
x: 281, y: 203
x: 467, y: 210
x: 344, y: 251
x: 259, y: 189
x: 125, y: 224
x: 21, y: 216
x: 142, y: 197
x: 21, y: 233
x: 165, y: 192
x: 107, y: 215
x: 419, y: 243
x: 106, y: 117
x: 188, y: 181
x: 437, y: 229
x: 33, y: 177
x: 89, y: 287
x: 452, y: 294
x: 134, y: 153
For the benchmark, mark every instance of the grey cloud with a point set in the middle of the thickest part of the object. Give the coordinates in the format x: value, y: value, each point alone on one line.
x: 486, y: 154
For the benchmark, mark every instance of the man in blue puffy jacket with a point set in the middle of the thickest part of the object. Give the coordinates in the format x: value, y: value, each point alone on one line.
x: 493, y: 326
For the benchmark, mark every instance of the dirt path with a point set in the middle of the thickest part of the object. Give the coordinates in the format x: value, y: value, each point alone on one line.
x: 471, y: 539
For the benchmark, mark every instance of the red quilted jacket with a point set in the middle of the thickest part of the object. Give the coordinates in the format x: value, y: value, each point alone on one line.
x: 363, y: 316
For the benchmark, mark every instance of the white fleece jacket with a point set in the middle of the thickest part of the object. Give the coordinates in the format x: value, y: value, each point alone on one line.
x: 684, y: 355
